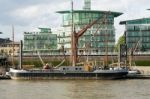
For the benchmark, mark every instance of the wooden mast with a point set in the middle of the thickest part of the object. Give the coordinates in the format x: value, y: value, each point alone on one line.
x: 106, y: 39
x: 76, y: 35
x: 73, y: 48
x: 13, y: 46
x: 106, y: 43
x: 75, y: 38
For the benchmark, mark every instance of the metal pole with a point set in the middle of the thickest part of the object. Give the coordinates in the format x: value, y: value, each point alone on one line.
x: 20, y: 59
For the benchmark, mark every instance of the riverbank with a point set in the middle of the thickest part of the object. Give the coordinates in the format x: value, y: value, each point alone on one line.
x: 144, y: 69
x: 54, y: 60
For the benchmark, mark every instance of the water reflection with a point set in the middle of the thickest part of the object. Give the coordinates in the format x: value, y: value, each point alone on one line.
x: 75, y: 89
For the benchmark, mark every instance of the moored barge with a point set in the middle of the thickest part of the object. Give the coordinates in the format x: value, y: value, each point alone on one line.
x: 68, y: 72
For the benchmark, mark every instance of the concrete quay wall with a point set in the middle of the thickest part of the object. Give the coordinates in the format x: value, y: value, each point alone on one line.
x: 81, y: 58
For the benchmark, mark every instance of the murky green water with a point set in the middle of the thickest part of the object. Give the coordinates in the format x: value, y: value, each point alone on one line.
x: 75, y: 89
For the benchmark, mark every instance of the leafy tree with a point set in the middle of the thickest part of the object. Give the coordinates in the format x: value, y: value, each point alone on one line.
x: 120, y: 41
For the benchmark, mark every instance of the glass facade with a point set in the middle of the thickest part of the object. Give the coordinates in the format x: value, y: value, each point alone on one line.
x: 42, y: 40
x: 94, y: 39
x: 138, y: 31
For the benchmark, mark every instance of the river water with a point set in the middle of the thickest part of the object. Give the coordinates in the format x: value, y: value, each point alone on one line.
x: 75, y: 89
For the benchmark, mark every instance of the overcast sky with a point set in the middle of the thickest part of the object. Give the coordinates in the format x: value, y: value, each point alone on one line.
x: 27, y: 15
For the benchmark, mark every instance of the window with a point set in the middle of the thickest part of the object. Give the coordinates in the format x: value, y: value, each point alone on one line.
x: 64, y: 68
x: 136, y: 28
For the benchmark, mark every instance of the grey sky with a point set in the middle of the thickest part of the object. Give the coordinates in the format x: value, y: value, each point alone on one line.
x: 27, y: 15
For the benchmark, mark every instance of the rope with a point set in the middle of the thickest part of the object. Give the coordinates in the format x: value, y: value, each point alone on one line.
x: 60, y: 63
x: 40, y: 58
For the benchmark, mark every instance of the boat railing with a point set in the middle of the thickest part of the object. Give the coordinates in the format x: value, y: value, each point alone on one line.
x: 56, y: 71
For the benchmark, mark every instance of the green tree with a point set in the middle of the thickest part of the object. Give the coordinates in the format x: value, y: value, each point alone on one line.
x: 120, y: 41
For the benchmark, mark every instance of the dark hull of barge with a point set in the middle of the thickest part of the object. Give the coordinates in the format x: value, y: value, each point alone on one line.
x: 67, y: 75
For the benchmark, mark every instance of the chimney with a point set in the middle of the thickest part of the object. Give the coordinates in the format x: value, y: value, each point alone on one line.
x: 87, y: 5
